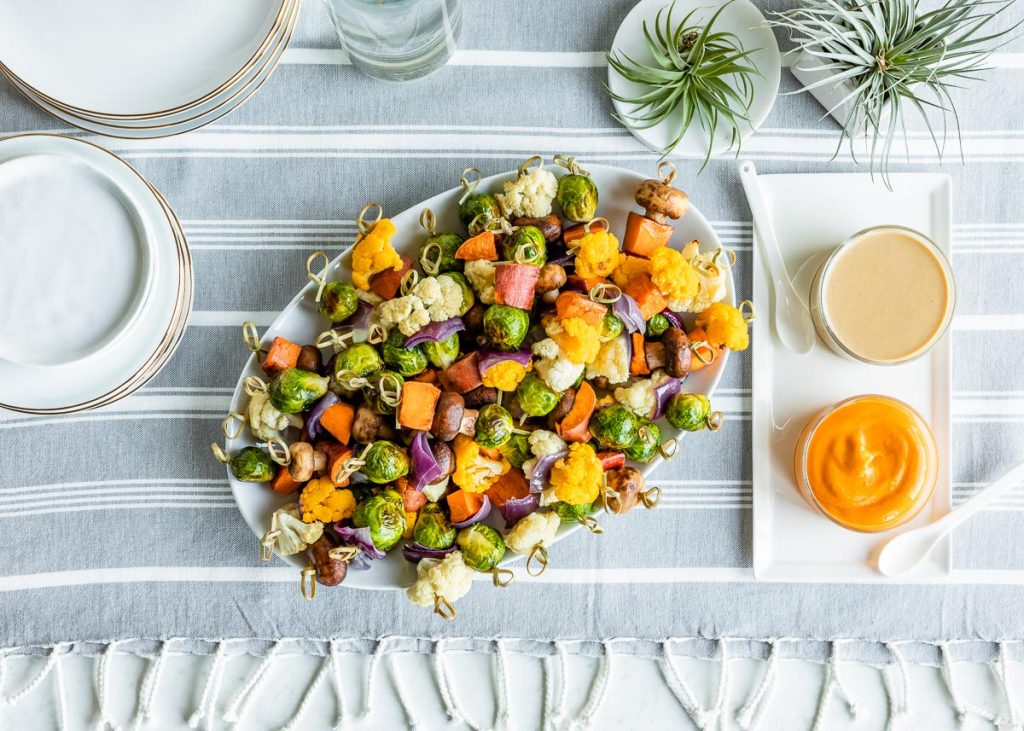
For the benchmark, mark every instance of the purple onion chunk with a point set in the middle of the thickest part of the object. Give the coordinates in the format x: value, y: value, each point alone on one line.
x: 663, y: 392
x: 312, y: 429
x: 425, y: 468
x: 626, y: 309
x: 436, y: 331
x: 490, y: 358
x: 518, y: 508
x: 673, y: 318
x: 360, y: 538
x: 414, y: 552
x: 542, y: 470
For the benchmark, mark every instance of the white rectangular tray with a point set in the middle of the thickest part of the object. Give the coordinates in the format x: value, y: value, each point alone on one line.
x: 812, y: 214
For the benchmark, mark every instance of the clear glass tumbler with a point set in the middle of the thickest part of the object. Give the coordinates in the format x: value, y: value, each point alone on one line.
x: 397, y: 40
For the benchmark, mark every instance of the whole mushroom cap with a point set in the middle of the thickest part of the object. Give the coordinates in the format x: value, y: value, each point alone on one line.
x: 662, y: 201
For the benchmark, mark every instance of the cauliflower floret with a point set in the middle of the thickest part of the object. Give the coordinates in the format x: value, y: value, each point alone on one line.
x: 577, y: 340
x: 266, y: 422
x: 448, y: 578
x: 546, y: 348
x: 407, y: 313
x: 506, y: 375
x: 529, y: 195
x: 480, y: 274
x: 674, y: 278
x: 533, y: 530
x: 548, y: 497
x: 724, y: 326
x: 629, y: 267
x: 369, y: 297
x: 711, y: 275
x: 544, y: 442
x: 577, y: 478
x: 475, y: 472
x: 639, y: 397
x: 612, y: 361
x: 559, y: 373
x: 434, y: 491
x: 295, y: 536
x: 322, y: 500
x: 598, y: 254
x: 373, y: 253
x: 442, y: 296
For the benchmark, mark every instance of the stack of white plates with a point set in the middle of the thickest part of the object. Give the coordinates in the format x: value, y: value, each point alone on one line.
x: 95, y: 276
x: 140, y: 70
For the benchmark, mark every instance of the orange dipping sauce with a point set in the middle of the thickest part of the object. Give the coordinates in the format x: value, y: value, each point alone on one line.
x: 869, y: 463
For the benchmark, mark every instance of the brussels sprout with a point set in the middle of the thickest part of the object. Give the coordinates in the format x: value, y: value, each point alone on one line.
x: 657, y: 325
x: 385, y: 462
x: 442, y: 353
x: 295, y: 390
x: 432, y: 528
x: 534, y: 396
x: 611, y: 328
x: 569, y: 513
x: 688, y: 411
x: 482, y: 547
x: 493, y: 426
x: 468, y: 298
x: 384, y: 516
x: 383, y: 391
x: 483, y: 205
x: 645, y: 446
x: 505, y: 326
x: 577, y: 197
x: 516, y: 450
x: 338, y: 301
x: 252, y: 464
x: 440, y: 249
x: 404, y: 361
x: 613, y: 426
x: 356, y: 361
x: 530, y: 241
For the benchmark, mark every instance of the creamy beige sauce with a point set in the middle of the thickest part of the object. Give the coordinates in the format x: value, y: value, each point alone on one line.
x: 887, y: 296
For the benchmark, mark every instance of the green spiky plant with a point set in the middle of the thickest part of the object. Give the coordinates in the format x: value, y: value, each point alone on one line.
x: 892, y: 56
x: 702, y: 71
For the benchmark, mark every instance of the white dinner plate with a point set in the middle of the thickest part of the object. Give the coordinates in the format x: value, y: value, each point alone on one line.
x: 182, y: 121
x: 124, y: 57
x: 792, y: 541
x: 95, y: 377
x: 740, y: 17
x: 300, y: 322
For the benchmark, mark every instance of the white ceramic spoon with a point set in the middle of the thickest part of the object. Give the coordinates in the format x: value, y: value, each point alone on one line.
x: 907, y: 550
x: 793, y: 322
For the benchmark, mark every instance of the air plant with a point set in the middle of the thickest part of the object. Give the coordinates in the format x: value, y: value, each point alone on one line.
x: 887, y: 55
x: 701, y: 71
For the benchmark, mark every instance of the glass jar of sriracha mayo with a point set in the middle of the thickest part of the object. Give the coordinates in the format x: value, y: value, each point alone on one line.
x: 868, y: 463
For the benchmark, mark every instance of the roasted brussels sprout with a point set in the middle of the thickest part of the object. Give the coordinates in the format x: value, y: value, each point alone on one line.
x: 611, y: 328
x: 252, y: 464
x: 534, y: 396
x: 482, y: 547
x: 569, y: 513
x: 645, y: 446
x: 401, y: 359
x: 613, y: 426
x: 516, y: 450
x: 384, y: 391
x: 432, y: 528
x: 577, y: 197
x: 295, y: 390
x: 442, y: 353
x: 505, y: 326
x: 356, y: 361
x: 483, y: 205
x: 468, y: 298
x: 338, y: 301
x: 384, y: 516
x: 493, y: 426
x: 437, y: 253
x: 657, y: 325
x: 688, y: 411
x: 385, y: 462
x: 526, y: 245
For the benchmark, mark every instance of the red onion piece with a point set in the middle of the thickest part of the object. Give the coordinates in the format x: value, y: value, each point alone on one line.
x: 312, y: 429
x: 483, y: 512
x: 491, y: 358
x: 359, y: 537
x: 626, y: 309
x: 518, y: 508
x: 436, y: 331
x: 425, y: 468
x: 673, y: 318
x: 414, y: 552
x: 542, y: 470
x: 663, y: 392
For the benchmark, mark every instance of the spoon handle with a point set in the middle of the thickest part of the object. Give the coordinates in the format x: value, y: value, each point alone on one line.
x: 765, y: 233
x: 985, y: 497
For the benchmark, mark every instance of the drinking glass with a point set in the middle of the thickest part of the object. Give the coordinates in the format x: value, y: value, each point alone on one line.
x: 397, y: 40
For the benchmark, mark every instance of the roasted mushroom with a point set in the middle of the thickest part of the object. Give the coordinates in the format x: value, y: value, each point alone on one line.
x: 661, y: 201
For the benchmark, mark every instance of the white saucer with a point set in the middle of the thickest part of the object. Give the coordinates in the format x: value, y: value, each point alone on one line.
x: 104, y: 370
x: 742, y: 18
